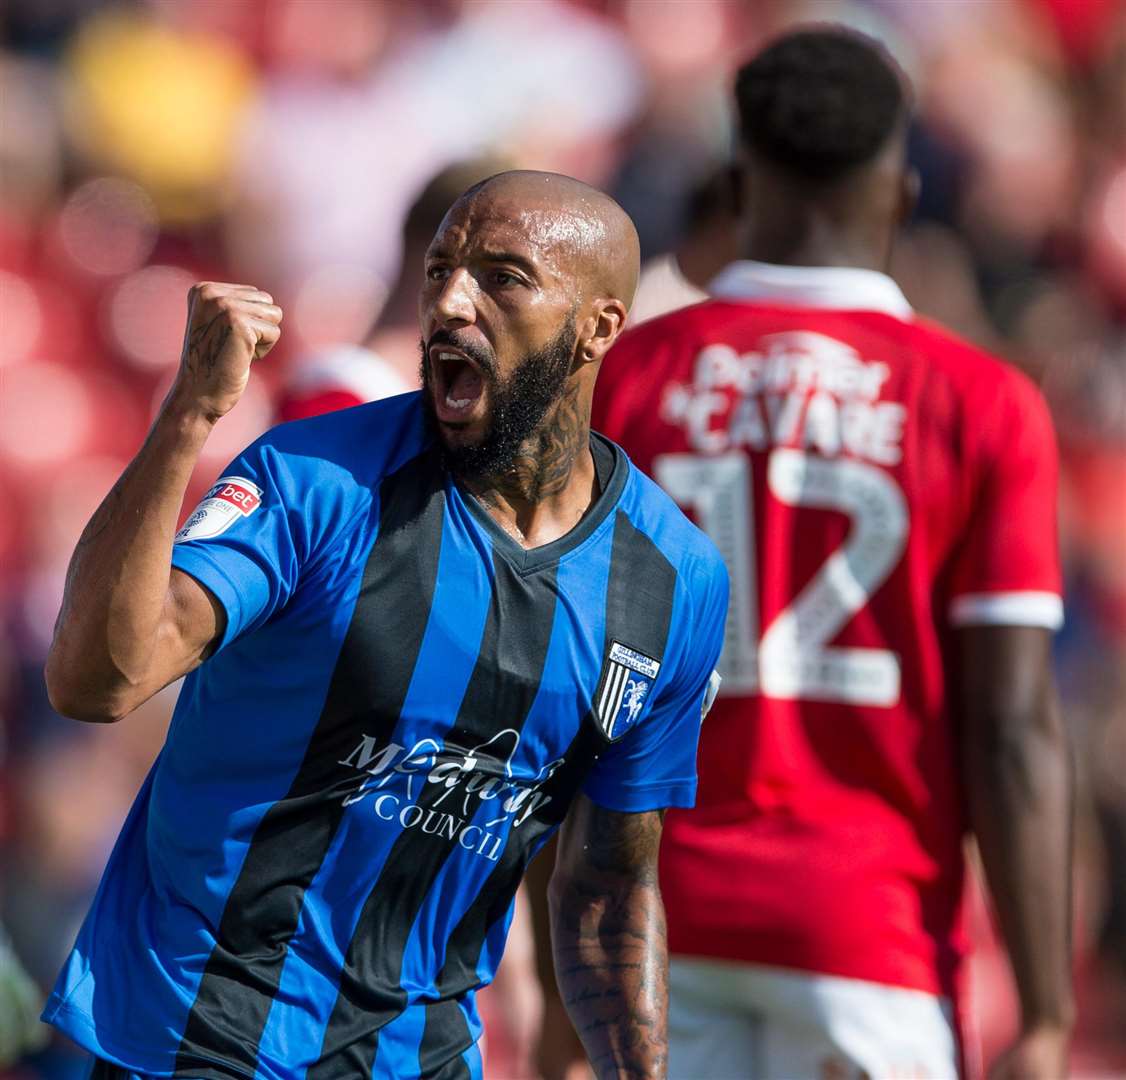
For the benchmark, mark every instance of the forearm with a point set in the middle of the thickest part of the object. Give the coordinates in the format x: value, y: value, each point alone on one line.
x: 118, y: 580
x: 1020, y: 798
x: 611, y: 964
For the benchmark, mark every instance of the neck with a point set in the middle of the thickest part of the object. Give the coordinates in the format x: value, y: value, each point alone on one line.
x: 794, y: 222
x: 706, y: 252
x: 552, y: 482
x: 809, y: 237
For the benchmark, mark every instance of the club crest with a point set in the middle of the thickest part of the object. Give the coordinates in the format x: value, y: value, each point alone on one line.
x: 627, y: 680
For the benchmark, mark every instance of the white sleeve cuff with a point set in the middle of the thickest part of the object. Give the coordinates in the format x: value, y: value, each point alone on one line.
x: 1008, y: 609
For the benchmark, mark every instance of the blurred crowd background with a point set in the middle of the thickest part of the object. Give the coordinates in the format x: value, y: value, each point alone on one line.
x: 147, y: 145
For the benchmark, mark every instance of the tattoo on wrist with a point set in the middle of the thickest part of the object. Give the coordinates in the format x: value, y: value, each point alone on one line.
x: 205, y: 343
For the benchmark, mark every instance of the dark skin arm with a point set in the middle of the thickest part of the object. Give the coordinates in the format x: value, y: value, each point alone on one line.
x: 560, y: 1053
x: 130, y: 623
x: 608, y: 934
x: 1018, y: 773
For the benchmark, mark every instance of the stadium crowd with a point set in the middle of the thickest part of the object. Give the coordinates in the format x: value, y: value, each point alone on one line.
x: 148, y: 145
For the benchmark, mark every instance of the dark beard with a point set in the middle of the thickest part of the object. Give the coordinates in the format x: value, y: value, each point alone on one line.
x: 519, y: 405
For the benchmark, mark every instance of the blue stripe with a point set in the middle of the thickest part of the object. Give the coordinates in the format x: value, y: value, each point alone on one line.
x: 472, y: 1056
x: 311, y: 974
x: 397, y: 1055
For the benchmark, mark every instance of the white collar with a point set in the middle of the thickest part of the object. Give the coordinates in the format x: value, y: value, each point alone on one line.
x: 841, y: 287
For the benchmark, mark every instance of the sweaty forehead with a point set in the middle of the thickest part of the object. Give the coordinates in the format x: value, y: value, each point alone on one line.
x: 567, y: 229
x: 561, y: 239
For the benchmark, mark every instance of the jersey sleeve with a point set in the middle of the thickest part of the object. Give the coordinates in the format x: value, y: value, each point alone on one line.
x: 239, y: 541
x: 1007, y: 570
x: 653, y: 766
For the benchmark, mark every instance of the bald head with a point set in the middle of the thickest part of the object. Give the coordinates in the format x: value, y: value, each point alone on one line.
x: 576, y: 226
x: 527, y: 285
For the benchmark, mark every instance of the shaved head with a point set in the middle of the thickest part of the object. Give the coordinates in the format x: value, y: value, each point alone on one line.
x: 580, y: 224
x: 528, y: 282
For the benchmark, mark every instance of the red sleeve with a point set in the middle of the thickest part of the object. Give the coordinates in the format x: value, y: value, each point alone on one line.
x: 1007, y: 571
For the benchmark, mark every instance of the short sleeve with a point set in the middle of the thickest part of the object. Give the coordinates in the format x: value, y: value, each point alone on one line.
x: 653, y: 766
x: 1007, y: 570
x: 238, y: 541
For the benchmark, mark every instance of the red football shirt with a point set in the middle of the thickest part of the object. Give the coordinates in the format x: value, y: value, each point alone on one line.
x: 873, y: 482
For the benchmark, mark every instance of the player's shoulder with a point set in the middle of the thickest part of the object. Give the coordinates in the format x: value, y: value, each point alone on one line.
x: 683, y: 325
x: 357, y: 445
x: 688, y: 549
x: 976, y: 372
x: 654, y: 351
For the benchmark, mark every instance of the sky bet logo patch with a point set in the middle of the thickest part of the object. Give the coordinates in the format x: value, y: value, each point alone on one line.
x: 627, y: 679
x: 230, y: 499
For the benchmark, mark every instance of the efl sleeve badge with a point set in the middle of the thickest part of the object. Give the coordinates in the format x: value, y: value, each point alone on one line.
x: 230, y: 499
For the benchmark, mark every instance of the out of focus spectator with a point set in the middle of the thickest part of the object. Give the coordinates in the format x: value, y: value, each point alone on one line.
x: 708, y: 242
x: 340, y: 375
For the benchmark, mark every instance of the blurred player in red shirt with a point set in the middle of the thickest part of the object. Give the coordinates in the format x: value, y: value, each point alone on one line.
x: 885, y: 496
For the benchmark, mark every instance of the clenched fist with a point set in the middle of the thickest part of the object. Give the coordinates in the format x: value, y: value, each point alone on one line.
x: 229, y: 326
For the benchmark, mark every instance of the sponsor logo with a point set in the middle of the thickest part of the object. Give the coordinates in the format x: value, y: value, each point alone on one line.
x: 797, y: 389
x: 457, y: 782
x: 230, y: 499
x: 627, y: 678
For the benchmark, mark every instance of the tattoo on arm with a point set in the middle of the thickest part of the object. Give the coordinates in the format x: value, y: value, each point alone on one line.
x: 609, y: 938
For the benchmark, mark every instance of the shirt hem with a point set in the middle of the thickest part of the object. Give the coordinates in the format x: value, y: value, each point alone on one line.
x: 641, y: 799
x: 78, y: 1026
x: 212, y: 577
x: 1011, y: 608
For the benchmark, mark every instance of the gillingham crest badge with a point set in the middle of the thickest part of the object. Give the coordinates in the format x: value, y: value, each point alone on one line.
x: 626, y: 683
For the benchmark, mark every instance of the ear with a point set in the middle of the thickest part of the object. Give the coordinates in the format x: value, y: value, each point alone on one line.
x: 600, y: 330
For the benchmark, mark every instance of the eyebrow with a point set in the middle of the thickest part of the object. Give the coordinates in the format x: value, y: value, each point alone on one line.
x: 522, y: 262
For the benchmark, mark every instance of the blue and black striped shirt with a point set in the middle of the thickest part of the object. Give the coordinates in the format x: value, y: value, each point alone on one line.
x: 319, y: 871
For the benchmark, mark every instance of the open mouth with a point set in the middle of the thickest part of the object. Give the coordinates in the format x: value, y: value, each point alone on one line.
x: 458, y: 384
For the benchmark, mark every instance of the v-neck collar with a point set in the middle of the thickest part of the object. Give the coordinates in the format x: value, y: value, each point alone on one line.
x: 612, y: 469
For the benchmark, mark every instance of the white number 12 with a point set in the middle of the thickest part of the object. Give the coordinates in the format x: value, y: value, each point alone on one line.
x: 792, y: 660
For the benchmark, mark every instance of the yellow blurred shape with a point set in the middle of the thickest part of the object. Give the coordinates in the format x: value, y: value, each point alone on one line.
x: 160, y: 106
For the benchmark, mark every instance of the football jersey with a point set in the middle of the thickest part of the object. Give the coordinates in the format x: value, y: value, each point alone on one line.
x: 873, y: 483
x: 319, y: 871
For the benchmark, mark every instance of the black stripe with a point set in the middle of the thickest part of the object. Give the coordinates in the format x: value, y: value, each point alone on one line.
x: 365, y: 696
x: 463, y: 950
x: 639, y: 597
x: 444, y: 1031
x: 646, y: 621
x: 499, y: 694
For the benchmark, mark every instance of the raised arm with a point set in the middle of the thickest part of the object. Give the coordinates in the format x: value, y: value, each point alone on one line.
x: 129, y: 623
x: 1018, y: 773
x: 608, y: 934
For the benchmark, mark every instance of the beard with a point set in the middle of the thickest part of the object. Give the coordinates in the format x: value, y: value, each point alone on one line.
x: 518, y: 404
